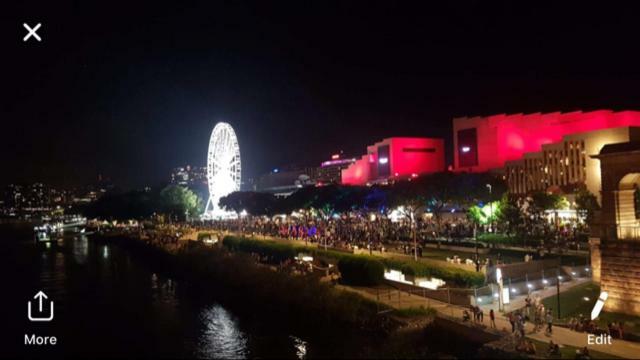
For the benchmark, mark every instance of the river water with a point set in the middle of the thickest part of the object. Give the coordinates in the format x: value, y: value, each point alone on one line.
x: 109, y: 303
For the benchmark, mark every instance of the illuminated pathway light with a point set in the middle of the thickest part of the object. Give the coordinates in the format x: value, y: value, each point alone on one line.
x: 223, y: 169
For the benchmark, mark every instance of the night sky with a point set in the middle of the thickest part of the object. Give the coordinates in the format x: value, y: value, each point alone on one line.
x: 130, y: 91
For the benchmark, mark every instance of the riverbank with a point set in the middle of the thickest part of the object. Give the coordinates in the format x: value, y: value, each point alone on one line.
x: 241, y: 280
x: 302, y: 300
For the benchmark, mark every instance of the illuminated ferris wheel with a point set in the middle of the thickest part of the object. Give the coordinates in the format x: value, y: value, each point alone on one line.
x: 223, y: 168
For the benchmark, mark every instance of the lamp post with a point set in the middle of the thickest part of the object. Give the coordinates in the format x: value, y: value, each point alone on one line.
x: 415, y: 240
x: 500, y: 289
x: 475, y: 239
x: 490, y: 209
x: 558, y: 291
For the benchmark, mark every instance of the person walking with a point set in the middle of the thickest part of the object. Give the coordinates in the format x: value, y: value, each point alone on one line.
x: 549, y: 319
x: 472, y: 311
x: 512, y: 322
x: 480, y: 314
x: 492, y: 317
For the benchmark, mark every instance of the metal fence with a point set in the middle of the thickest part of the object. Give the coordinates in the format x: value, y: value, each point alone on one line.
x: 400, y: 294
x: 545, y: 278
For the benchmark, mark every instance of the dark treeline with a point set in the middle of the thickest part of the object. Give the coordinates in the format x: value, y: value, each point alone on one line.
x: 176, y: 202
x: 429, y: 192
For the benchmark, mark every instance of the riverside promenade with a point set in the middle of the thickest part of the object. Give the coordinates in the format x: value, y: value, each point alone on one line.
x: 399, y: 299
x: 564, y: 337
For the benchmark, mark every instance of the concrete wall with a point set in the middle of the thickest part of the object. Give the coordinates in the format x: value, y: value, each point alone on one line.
x: 620, y: 276
x: 532, y: 269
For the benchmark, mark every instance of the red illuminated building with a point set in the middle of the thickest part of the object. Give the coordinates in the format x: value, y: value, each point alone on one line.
x: 485, y: 143
x: 396, y: 157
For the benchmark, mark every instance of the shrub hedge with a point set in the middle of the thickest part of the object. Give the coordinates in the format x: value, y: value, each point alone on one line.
x: 356, y: 269
x: 359, y: 270
x: 274, y: 251
x: 451, y: 275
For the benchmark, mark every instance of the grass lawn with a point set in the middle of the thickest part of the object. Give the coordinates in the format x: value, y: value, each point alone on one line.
x: 567, y: 352
x: 507, y: 256
x: 573, y: 303
x: 441, y: 254
x: 416, y: 312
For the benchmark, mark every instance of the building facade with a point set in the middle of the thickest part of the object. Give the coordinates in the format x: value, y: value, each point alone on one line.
x: 330, y: 171
x: 566, y: 164
x: 615, y: 235
x: 283, y: 182
x: 189, y: 175
x: 396, y: 158
x: 487, y: 143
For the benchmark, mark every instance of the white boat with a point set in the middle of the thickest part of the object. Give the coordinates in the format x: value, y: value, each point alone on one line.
x: 45, y: 232
x: 73, y: 221
x: 42, y: 236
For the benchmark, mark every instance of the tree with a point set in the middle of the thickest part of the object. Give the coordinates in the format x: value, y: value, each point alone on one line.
x: 179, y: 202
x: 374, y: 199
x: 410, y: 198
x: 587, y: 204
x: 485, y: 214
x: 235, y: 201
x: 537, y: 206
x: 543, y: 201
x: 511, y: 214
x: 254, y: 203
x: 123, y: 206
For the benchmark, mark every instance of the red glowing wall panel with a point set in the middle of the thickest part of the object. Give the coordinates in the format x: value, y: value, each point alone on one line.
x: 404, y: 158
x: 416, y: 156
x: 501, y: 138
x: 357, y: 173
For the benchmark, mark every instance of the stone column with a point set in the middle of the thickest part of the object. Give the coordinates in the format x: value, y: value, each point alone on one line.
x: 594, y: 245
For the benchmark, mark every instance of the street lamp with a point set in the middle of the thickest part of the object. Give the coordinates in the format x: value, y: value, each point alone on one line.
x: 490, y: 209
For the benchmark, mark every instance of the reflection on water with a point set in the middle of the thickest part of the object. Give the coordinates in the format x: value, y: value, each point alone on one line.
x: 221, y: 337
x: 300, y: 347
x: 163, y: 291
x: 80, y: 249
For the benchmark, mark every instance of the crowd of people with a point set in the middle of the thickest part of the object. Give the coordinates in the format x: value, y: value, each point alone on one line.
x: 535, y: 312
x: 374, y: 231
x: 478, y: 315
x: 348, y: 232
x: 583, y: 324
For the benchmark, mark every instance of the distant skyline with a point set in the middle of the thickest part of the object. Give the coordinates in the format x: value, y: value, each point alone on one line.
x: 132, y: 92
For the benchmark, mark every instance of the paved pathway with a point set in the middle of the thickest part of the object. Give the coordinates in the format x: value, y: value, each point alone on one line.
x: 563, y: 336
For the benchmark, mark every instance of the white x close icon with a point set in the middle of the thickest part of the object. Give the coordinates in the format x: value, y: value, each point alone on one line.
x: 32, y: 32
